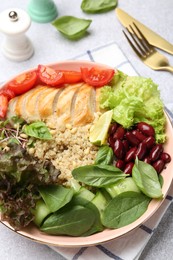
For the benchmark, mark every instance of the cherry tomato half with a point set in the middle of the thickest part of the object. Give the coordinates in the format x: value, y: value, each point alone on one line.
x: 71, y: 77
x: 50, y: 76
x: 7, y: 92
x: 23, y: 83
x: 3, y: 105
x: 97, y: 77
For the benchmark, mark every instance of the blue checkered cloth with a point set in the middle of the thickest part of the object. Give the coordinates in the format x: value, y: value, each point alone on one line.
x: 131, y: 245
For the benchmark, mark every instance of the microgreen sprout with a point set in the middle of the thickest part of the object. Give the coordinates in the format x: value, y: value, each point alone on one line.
x: 10, y: 131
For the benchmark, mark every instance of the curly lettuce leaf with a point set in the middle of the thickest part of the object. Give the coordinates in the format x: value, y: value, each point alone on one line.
x: 135, y: 99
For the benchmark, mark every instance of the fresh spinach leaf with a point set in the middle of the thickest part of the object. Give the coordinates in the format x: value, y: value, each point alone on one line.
x: 71, y: 27
x: 104, y: 155
x: 98, y: 175
x: 146, y: 178
x: 124, y: 209
x: 97, y: 225
x: 72, y: 221
x: 99, y: 6
x: 55, y: 196
x: 38, y: 130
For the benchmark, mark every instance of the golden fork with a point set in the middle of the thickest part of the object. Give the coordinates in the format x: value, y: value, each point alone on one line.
x: 146, y: 52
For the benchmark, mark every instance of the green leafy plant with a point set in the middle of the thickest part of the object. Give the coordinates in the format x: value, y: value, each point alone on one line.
x: 135, y: 99
x: 78, y: 218
x: 146, y: 178
x: 98, y: 175
x: 55, y: 196
x: 99, y: 6
x: 104, y: 155
x: 72, y: 27
x: 20, y: 177
x: 38, y: 130
x: 124, y: 209
x: 73, y: 221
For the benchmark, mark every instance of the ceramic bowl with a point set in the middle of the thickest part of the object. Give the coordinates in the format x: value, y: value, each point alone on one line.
x: 32, y: 232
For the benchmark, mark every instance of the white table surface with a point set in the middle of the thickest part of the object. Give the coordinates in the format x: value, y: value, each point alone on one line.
x: 49, y: 47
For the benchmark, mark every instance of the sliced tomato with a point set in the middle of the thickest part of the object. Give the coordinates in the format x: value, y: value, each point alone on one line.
x: 23, y: 83
x: 7, y: 92
x: 3, y: 105
x: 97, y: 77
x: 50, y: 76
x: 71, y: 77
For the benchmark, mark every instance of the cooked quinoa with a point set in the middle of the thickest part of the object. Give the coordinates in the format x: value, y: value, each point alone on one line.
x: 69, y: 148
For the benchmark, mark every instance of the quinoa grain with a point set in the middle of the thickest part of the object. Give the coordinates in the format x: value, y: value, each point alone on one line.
x: 67, y: 150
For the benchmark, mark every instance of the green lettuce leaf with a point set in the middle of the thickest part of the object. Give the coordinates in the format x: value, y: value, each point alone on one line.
x: 135, y: 99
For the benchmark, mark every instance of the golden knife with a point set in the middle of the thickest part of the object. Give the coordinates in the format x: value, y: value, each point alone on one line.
x: 153, y: 38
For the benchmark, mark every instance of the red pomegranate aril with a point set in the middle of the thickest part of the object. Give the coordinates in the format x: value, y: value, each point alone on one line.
x: 139, y: 135
x: 120, y: 164
x: 113, y: 128
x: 155, y: 152
x: 141, y: 151
x: 119, y: 149
x: 126, y: 145
x: 130, y: 155
x: 159, y: 165
x: 128, y: 168
x: 165, y: 157
x: 119, y: 133
x: 133, y: 140
x: 149, y: 141
x: 146, y: 129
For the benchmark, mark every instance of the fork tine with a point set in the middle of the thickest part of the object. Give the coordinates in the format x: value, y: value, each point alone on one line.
x: 137, y: 40
x: 133, y: 46
x: 142, y: 45
x: 143, y: 38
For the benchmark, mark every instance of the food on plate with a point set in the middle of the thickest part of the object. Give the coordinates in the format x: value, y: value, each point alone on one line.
x: 80, y: 149
x: 23, y: 83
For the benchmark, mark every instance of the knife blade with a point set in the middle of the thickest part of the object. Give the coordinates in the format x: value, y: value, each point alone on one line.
x: 153, y: 38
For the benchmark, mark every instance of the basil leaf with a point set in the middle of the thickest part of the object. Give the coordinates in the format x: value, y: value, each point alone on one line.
x: 104, y: 155
x: 125, y: 209
x: 161, y: 180
x: 72, y: 221
x: 98, y: 175
x: 38, y: 130
x: 146, y: 178
x: 99, y: 6
x: 55, y: 197
x: 71, y: 27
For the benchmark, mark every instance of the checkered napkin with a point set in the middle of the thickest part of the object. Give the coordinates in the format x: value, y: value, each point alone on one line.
x: 130, y: 246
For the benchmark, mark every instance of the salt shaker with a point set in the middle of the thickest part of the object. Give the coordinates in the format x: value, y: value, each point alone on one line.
x: 42, y: 11
x: 13, y: 24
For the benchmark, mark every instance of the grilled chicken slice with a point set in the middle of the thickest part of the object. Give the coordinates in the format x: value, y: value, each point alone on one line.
x: 63, y: 106
x: 45, y: 101
x: 73, y: 103
x: 82, y: 112
x: 26, y: 104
